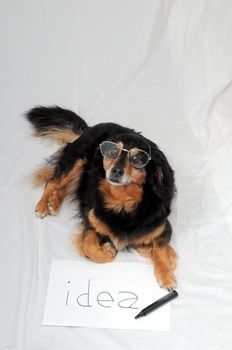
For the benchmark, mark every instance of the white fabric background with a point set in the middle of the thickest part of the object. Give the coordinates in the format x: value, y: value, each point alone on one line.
x: 163, y: 67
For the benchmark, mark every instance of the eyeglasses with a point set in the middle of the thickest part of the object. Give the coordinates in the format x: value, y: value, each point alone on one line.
x: 137, y: 157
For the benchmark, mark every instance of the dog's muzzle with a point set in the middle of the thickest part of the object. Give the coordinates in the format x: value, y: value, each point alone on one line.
x: 116, y: 176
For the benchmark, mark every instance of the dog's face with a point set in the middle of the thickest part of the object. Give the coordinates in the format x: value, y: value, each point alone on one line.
x: 131, y: 159
x: 124, y: 159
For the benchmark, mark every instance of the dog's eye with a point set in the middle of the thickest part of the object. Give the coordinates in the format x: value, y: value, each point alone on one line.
x: 109, y: 150
x: 112, y: 153
x: 137, y: 160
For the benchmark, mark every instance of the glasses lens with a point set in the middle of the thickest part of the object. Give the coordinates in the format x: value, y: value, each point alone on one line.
x: 138, y: 158
x: 109, y: 150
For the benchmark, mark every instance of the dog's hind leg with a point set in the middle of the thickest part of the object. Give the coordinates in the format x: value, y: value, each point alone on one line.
x: 43, y: 175
x: 51, y: 200
x: 56, y: 200
x: 55, y: 191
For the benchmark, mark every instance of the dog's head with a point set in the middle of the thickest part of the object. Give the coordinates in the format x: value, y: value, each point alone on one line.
x: 130, y: 158
x: 125, y: 158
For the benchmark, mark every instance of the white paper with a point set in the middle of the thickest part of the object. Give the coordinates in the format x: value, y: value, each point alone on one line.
x: 104, y: 296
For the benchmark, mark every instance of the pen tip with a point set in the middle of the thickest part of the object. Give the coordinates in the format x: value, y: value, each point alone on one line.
x: 139, y: 315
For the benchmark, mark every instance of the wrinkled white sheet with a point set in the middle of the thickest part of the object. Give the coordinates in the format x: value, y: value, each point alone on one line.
x: 163, y: 67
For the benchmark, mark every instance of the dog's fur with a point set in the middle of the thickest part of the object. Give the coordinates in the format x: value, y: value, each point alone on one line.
x: 129, y: 214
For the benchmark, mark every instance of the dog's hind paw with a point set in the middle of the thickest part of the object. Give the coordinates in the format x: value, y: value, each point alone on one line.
x: 42, y: 209
x: 54, y: 203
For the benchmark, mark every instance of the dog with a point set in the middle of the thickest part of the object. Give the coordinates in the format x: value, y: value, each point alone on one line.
x: 123, y: 183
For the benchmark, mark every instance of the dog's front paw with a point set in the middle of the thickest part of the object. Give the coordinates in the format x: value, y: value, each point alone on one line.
x: 100, y: 254
x: 108, y: 252
x: 166, y: 279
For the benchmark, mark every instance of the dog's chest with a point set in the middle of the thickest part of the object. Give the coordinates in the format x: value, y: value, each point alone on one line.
x: 118, y: 198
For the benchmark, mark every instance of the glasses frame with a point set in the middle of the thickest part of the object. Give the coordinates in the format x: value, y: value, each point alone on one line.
x: 128, y: 153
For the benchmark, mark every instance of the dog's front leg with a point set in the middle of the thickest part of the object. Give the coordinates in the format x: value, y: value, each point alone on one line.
x: 164, y: 259
x: 97, y: 247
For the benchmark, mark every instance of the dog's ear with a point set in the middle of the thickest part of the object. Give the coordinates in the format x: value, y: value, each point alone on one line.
x: 160, y: 175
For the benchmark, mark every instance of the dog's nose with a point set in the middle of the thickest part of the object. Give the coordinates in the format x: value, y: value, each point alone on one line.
x: 117, y: 172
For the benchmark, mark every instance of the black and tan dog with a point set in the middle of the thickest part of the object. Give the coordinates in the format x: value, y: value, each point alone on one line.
x: 123, y: 183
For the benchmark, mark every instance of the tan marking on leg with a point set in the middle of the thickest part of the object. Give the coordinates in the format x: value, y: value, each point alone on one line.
x: 56, y: 191
x: 97, y: 224
x: 94, y: 251
x: 73, y: 174
x: 147, y: 240
x: 100, y: 227
x: 172, y: 257
x: 163, y: 259
x: 42, y: 208
x: 56, y: 200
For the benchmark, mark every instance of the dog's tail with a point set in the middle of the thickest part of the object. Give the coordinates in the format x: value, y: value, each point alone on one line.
x: 58, y: 124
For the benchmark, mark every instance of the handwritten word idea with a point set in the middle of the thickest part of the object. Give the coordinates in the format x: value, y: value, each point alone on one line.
x: 124, y: 299
x: 87, y: 294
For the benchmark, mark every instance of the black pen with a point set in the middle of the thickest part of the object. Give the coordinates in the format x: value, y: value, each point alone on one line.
x: 173, y: 294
